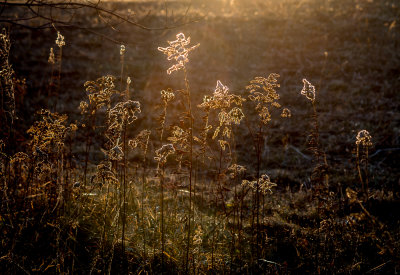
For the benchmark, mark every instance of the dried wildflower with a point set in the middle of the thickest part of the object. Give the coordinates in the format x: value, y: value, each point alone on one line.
x: 178, y: 51
x: 179, y: 136
x: 123, y: 112
x: 83, y: 106
x: 308, y: 90
x: 220, y: 90
x: 286, y: 113
x: 52, y: 59
x: 51, y: 130
x: 128, y: 80
x: 122, y: 50
x: 236, y: 169
x: 206, y: 102
x: 163, y: 153
x: 262, y: 92
x: 236, y: 115
x: 252, y: 184
x: 264, y: 184
x: 364, y: 138
x: 141, y: 140
x: 100, y: 91
x: 167, y: 95
x: 19, y: 157
x: 60, y: 40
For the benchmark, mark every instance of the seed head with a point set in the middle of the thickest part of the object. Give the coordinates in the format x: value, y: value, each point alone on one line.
x: 235, y: 170
x: 364, y: 138
x: 164, y: 152
x: 236, y: 115
x: 286, y: 113
x: 264, y: 184
x: 60, y: 40
x: 52, y: 59
x: 178, y: 51
x: 308, y: 90
x: 122, y: 50
x: 220, y: 90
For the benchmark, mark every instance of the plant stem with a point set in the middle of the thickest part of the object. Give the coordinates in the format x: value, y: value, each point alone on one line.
x: 190, y: 167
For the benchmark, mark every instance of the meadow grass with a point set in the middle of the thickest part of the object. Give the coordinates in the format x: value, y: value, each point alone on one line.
x: 193, y: 191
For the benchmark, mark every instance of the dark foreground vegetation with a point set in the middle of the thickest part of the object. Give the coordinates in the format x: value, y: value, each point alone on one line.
x: 267, y: 142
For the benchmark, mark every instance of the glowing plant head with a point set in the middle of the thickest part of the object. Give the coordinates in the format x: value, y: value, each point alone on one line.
x: 235, y: 170
x: 167, y: 95
x: 100, y: 91
x: 364, y: 138
x: 236, y: 115
x: 263, y: 93
x: 124, y: 112
x: 60, y: 40
x: 164, y: 152
x: 220, y: 90
x: 178, y: 51
x: 308, y: 90
x: 286, y: 113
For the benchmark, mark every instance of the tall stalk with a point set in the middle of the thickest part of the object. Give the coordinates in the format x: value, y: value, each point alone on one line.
x: 161, y: 158
x: 190, y: 166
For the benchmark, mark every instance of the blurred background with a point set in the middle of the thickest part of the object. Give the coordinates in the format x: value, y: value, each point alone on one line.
x: 349, y: 49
